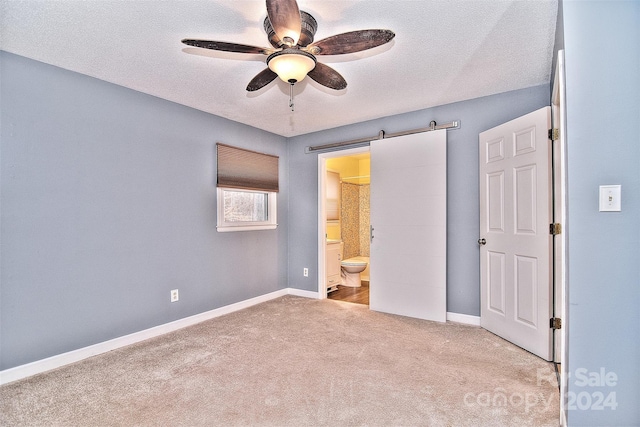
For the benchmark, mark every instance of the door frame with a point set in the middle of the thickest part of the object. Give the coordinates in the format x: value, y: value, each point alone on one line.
x: 560, y: 254
x: 322, y: 214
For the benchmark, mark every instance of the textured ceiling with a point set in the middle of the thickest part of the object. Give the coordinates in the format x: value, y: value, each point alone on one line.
x: 444, y: 51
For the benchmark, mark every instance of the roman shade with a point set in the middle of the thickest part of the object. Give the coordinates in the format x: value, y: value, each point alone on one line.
x: 246, y: 169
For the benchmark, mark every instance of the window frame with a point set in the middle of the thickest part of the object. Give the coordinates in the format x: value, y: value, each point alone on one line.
x: 226, y: 226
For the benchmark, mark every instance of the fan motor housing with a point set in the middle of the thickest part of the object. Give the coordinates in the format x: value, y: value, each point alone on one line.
x: 309, y: 26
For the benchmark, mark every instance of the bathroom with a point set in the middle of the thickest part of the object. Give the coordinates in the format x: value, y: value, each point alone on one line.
x: 347, y: 206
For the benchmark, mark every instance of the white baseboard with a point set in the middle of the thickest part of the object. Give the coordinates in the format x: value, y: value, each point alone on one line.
x: 59, y: 360
x: 301, y: 293
x: 463, y: 318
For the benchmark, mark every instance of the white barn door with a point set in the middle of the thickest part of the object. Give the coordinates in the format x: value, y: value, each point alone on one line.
x: 515, y: 213
x: 409, y: 220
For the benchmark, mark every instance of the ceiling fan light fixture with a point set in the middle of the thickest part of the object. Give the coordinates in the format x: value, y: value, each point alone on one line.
x: 291, y: 65
x: 291, y: 32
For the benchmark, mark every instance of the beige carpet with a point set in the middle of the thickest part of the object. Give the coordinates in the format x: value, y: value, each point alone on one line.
x: 297, y: 362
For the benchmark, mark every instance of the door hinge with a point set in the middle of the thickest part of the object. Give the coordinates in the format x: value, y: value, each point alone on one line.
x: 554, y: 134
x: 555, y: 229
x: 555, y: 323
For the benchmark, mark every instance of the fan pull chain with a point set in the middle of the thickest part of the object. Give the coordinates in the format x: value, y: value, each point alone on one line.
x: 291, y: 95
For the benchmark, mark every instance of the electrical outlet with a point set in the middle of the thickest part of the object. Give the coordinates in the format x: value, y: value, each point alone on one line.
x: 174, y: 295
x: 305, y: 272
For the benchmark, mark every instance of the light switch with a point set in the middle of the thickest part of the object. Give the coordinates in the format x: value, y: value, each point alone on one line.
x: 610, y: 198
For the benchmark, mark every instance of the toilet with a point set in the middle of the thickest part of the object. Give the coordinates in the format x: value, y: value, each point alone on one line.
x: 350, y: 272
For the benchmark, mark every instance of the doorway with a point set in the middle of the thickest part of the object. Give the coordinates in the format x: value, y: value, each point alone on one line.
x: 347, y: 222
x: 407, y: 233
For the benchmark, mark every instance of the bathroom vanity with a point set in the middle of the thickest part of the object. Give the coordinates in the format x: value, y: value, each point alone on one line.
x: 333, y: 257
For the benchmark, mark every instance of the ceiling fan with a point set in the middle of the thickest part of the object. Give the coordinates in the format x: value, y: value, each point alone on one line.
x: 293, y: 55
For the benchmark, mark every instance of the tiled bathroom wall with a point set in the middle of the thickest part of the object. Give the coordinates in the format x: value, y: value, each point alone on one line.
x: 355, y: 220
x: 350, y: 219
x: 364, y: 220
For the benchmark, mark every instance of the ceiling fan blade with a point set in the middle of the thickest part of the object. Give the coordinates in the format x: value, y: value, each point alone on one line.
x: 263, y: 78
x: 327, y: 76
x: 285, y: 19
x: 354, y: 41
x: 228, y: 47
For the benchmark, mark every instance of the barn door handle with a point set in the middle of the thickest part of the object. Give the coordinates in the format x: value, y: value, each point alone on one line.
x: 482, y: 241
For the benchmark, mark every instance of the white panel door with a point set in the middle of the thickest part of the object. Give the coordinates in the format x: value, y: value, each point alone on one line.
x: 409, y: 219
x: 515, y: 213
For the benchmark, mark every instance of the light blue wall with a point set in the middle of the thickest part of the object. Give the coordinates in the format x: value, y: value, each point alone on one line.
x: 602, y: 51
x: 108, y: 203
x: 463, y: 217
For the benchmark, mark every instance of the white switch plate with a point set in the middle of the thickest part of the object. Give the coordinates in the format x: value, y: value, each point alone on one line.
x: 610, y: 198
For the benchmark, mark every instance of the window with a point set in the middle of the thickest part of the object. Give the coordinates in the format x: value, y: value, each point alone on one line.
x: 241, y: 210
x: 247, y: 189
